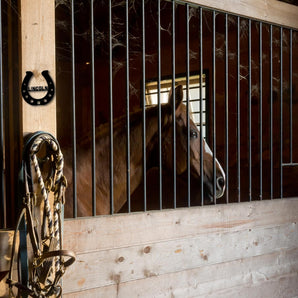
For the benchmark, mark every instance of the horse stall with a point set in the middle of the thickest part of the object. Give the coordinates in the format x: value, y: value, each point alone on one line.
x: 177, y: 124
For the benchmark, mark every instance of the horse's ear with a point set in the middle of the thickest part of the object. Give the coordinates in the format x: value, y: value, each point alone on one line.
x: 178, y: 96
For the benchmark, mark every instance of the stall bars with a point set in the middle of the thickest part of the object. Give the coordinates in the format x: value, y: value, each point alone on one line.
x: 201, y: 9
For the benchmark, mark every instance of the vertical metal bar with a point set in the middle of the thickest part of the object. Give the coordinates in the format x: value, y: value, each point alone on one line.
x: 214, y: 108
x: 144, y: 104
x: 271, y: 117
x: 238, y: 109
x: 281, y: 113
x: 291, y: 96
x: 127, y: 106
x: 111, y: 110
x: 93, y: 112
x: 174, y: 101
x: 227, y: 104
x: 187, y: 104
x: 2, y: 181
x: 261, y: 108
x: 249, y: 111
x: 74, y: 138
x: 201, y: 109
x: 159, y: 104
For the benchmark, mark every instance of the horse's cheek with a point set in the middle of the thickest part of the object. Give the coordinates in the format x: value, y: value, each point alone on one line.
x: 181, y: 166
x: 195, y: 154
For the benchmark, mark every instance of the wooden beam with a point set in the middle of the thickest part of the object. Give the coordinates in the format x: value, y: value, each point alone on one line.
x: 272, y: 11
x: 121, y: 230
x: 258, y: 276
x: 37, y: 55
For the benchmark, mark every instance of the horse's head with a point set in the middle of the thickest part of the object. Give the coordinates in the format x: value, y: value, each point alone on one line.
x: 194, y: 140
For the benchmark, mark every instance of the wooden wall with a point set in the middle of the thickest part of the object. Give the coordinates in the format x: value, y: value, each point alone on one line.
x: 235, y: 250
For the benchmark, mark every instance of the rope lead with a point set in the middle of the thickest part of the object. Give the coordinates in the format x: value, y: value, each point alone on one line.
x: 48, y: 264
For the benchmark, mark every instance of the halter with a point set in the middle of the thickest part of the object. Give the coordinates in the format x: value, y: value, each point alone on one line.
x: 47, y: 263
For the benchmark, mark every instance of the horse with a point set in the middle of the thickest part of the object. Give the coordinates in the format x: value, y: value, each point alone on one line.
x: 102, y: 153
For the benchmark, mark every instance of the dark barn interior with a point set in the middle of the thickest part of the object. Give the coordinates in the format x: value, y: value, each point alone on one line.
x: 281, y: 99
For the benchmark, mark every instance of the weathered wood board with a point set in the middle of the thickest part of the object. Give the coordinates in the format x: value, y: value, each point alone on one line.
x: 37, y: 55
x: 219, y: 251
x: 272, y: 11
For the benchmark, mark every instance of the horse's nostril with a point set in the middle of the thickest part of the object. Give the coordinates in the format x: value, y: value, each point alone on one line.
x: 220, y: 182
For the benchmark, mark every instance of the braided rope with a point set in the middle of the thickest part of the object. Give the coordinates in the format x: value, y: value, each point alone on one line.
x: 53, y: 222
x: 34, y: 149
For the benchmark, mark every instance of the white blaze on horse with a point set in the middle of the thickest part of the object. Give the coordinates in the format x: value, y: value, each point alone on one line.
x: 102, y: 154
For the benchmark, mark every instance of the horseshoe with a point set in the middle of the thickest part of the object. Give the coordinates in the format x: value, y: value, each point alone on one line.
x: 38, y: 101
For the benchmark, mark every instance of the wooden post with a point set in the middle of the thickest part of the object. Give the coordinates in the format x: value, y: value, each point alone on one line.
x: 37, y: 55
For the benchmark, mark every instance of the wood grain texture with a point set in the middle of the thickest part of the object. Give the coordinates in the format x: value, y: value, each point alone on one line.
x: 272, y: 11
x: 6, y: 239
x: 38, y: 54
x: 122, y: 230
x: 186, y: 253
x: 262, y: 276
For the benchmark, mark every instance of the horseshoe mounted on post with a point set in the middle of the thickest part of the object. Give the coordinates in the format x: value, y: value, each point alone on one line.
x: 38, y: 101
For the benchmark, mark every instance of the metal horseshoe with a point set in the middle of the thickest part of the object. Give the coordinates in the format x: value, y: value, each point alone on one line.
x: 38, y: 101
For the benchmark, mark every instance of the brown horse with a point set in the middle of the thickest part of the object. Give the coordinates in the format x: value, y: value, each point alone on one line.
x: 136, y: 157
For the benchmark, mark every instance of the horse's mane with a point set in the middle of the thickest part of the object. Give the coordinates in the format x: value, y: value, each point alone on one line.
x: 119, y: 123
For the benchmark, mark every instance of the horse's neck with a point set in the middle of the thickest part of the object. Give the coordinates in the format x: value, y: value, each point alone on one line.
x: 136, y: 129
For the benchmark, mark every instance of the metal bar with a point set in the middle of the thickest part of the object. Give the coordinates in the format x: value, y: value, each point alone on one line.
x: 201, y: 109
x: 271, y: 117
x: 127, y: 108
x: 261, y: 109
x: 249, y: 111
x: 187, y: 104
x: 214, y: 100
x: 159, y: 104
x: 291, y: 95
x: 174, y: 101
x: 74, y: 138
x: 93, y: 112
x: 294, y: 164
x: 111, y: 109
x: 227, y: 103
x: 281, y: 113
x: 144, y: 104
x: 238, y: 110
x: 2, y: 165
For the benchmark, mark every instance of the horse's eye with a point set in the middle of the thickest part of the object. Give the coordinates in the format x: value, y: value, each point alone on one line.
x: 193, y: 134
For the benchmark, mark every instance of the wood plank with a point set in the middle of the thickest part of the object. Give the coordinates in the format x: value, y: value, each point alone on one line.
x: 282, y: 286
x: 272, y: 11
x: 105, y: 267
x: 6, y: 239
x: 37, y: 55
x: 221, y: 279
x: 106, y: 232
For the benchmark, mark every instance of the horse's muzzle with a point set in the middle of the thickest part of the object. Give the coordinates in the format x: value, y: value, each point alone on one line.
x: 220, y: 187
